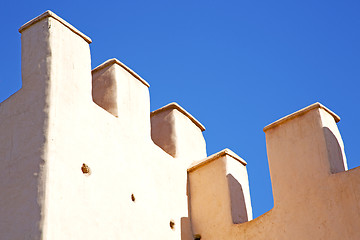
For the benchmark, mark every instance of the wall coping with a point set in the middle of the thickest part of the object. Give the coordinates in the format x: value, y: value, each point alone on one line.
x: 48, y: 14
x: 116, y: 61
x: 176, y: 106
x: 215, y: 156
x: 301, y: 112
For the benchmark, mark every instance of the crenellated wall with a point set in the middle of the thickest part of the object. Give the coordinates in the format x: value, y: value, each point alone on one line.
x: 314, y: 196
x: 82, y: 157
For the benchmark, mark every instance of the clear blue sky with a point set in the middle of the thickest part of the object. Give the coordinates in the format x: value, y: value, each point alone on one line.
x: 235, y: 65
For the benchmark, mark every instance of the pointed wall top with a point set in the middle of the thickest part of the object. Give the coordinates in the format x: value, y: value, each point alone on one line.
x: 215, y: 156
x: 176, y: 106
x: 48, y: 14
x: 301, y: 112
x: 112, y: 61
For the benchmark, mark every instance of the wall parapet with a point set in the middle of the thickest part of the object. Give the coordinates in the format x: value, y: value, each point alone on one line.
x: 215, y: 156
x: 301, y: 112
x: 52, y: 127
x: 174, y: 105
x: 116, y: 61
x: 219, y: 194
x: 178, y: 133
x: 49, y: 13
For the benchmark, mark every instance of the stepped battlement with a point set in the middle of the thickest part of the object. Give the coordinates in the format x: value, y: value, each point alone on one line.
x: 82, y: 157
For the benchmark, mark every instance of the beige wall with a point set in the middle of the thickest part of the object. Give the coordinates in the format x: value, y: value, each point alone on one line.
x: 314, y: 197
x: 54, y: 127
x: 67, y: 115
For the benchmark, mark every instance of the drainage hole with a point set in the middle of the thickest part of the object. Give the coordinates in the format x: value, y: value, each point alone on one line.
x: 85, y: 169
x: 197, y: 237
x: 132, y: 197
x: 172, y: 224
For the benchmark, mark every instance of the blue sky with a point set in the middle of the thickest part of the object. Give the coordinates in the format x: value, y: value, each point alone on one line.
x: 236, y: 66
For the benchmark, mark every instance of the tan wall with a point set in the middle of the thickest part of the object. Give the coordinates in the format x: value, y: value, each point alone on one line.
x: 66, y: 116
x: 54, y: 127
x: 314, y: 197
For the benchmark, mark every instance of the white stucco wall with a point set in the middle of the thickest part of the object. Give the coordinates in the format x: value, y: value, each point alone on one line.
x: 150, y: 169
x: 54, y: 127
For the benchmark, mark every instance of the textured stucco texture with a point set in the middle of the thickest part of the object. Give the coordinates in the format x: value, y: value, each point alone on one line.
x: 82, y: 157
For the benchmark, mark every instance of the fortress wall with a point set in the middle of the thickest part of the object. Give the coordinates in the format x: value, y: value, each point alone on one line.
x: 314, y: 197
x: 83, y: 158
x: 56, y: 128
x: 123, y: 93
x: 119, y: 152
x: 171, y: 127
x: 219, y: 195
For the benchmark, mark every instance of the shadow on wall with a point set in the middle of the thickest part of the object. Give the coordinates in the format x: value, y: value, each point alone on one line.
x: 335, y: 153
x: 186, y: 233
x: 186, y: 229
x: 238, y: 206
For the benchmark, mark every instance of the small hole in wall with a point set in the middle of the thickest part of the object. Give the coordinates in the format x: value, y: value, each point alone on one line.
x: 85, y: 169
x: 132, y: 197
x: 172, y: 224
x: 197, y: 237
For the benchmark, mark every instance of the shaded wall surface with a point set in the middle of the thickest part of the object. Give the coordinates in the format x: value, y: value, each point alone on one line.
x: 82, y: 157
x: 315, y: 197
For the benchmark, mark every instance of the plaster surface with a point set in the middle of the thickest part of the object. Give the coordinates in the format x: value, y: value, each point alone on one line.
x: 314, y: 196
x: 82, y: 157
x: 54, y: 128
